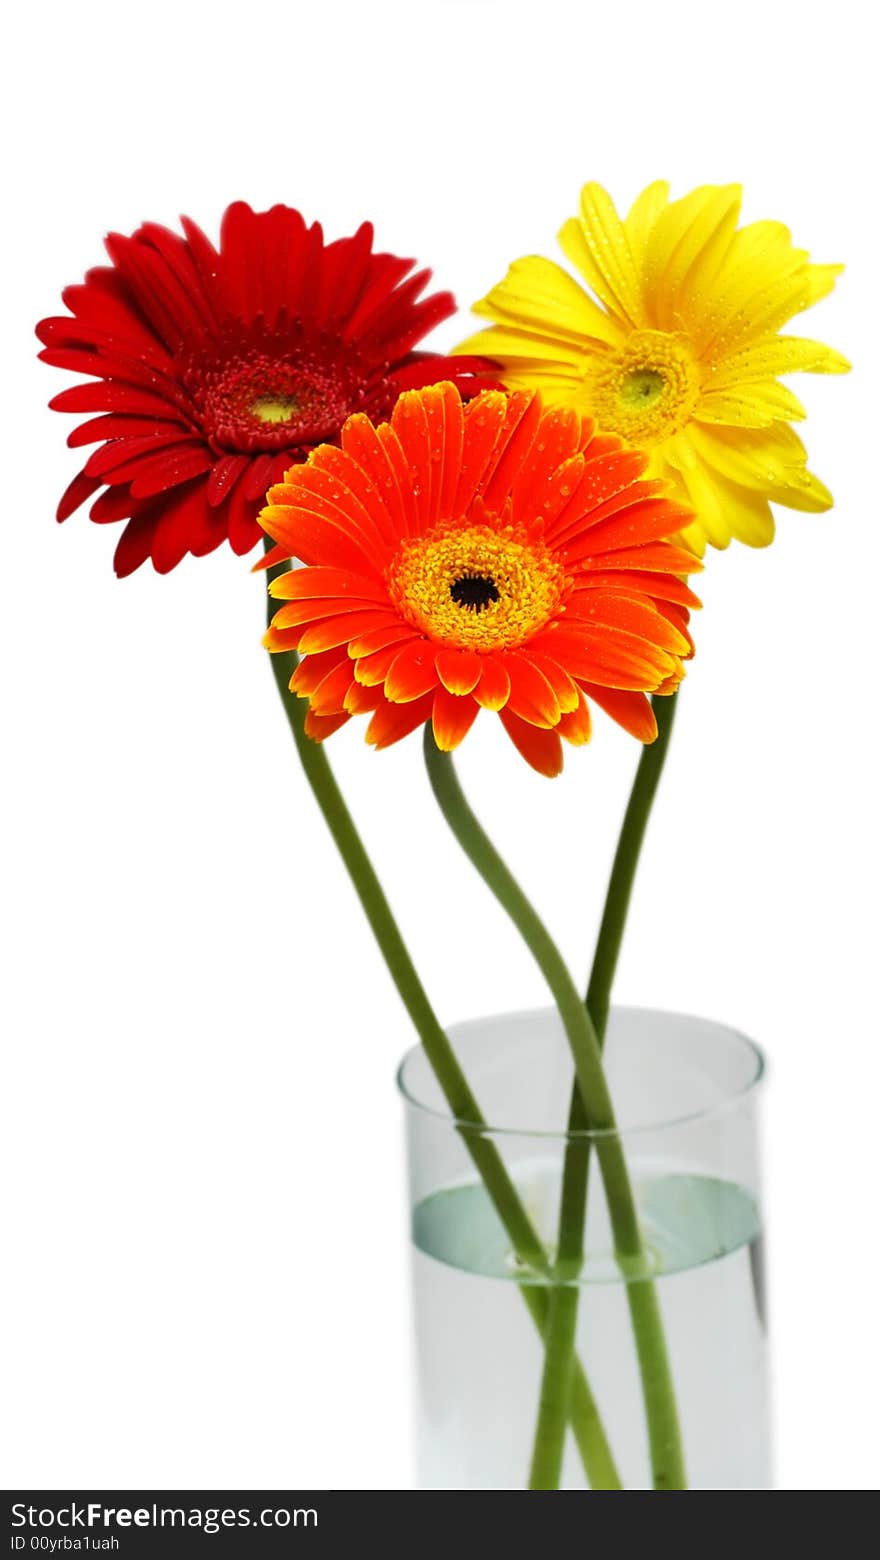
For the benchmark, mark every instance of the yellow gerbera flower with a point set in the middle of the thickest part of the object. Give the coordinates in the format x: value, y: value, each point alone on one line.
x: 679, y: 350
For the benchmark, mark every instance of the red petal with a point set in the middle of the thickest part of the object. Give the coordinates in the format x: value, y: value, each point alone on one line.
x: 76, y: 493
x: 133, y: 547
x: 115, y: 503
x: 223, y: 478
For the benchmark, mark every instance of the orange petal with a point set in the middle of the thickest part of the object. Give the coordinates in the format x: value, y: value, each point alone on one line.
x: 445, y: 419
x: 357, y: 494
x: 613, y: 659
x: 524, y: 415
x: 649, y: 520
x: 313, y: 609
x: 412, y: 673
x: 362, y: 701
x: 317, y: 538
x: 484, y: 418
x: 320, y: 726
x: 531, y: 694
x: 361, y: 440
x: 397, y: 460
x: 410, y: 422
x: 661, y: 587
x: 632, y: 711
x: 634, y: 614
x: 314, y: 669
x: 343, y: 628
x: 328, y: 697
x: 372, y: 669
x: 602, y: 478
x: 493, y: 689
x: 452, y: 718
x: 602, y: 444
x: 540, y: 748
x: 575, y: 726
x: 282, y: 638
x: 662, y: 557
x: 332, y: 484
x: 559, y: 438
x: 378, y: 638
x: 571, y: 523
x: 453, y: 440
x: 322, y: 581
x: 563, y: 686
x: 680, y: 617
x: 458, y: 670
x: 393, y: 721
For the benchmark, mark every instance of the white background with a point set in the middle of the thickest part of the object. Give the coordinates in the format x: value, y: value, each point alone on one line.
x: 206, y: 1278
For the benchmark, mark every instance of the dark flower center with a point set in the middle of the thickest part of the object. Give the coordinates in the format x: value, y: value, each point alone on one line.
x: 261, y: 391
x: 474, y: 592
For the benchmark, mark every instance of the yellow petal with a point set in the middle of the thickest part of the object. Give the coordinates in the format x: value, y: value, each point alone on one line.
x: 695, y: 484
x: 820, y: 281
x: 760, y: 285
x: 540, y: 295
x: 725, y: 512
x: 749, y: 406
x: 748, y: 515
x: 643, y: 214
x: 685, y: 251
x: 774, y: 355
x: 764, y: 460
x: 507, y: 343
x: 557, y: 385
x: 598, y: 245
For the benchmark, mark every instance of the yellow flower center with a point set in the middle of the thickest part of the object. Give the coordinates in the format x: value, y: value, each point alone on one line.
x: 273, y: 408
x: 648, y: 390
x: 477, y: 588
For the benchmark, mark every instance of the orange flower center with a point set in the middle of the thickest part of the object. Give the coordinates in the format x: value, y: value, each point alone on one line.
x: 477, y: 587
x: 646, y: 391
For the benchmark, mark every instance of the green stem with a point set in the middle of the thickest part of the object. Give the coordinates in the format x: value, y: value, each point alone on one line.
x: 586, y: 1423
x: 626, y: 860
x: 644, y: 1310
x: 561, y: 1329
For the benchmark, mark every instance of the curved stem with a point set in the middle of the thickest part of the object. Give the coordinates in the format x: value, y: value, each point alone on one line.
x: 586, y: 1423
x: 561, y: 1329
x: 644, y: 1311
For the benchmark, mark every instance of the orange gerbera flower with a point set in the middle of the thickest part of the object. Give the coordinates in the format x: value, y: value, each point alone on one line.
x: 497, y: 556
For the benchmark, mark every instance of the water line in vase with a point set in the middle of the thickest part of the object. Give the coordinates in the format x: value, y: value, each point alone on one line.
x: 657, y: 1387
x: 592, y: 1442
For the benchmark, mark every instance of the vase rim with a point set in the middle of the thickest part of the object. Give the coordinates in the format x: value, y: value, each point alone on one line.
x: 718, y: 1107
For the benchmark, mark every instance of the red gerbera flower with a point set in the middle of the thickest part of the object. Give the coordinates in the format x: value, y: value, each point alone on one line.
x: 216, y: 369
x: 498, y: 556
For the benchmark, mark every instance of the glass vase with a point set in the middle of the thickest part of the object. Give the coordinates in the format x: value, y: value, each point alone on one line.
x: 685, y: 1093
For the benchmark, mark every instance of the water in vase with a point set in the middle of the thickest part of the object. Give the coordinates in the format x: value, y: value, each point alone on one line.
x: 480, y: 1355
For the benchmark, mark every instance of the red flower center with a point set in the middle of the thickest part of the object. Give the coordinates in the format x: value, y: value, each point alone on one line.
x: 273, y: 394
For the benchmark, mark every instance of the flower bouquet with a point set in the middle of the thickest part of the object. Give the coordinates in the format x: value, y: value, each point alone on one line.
x: 509, y: 529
